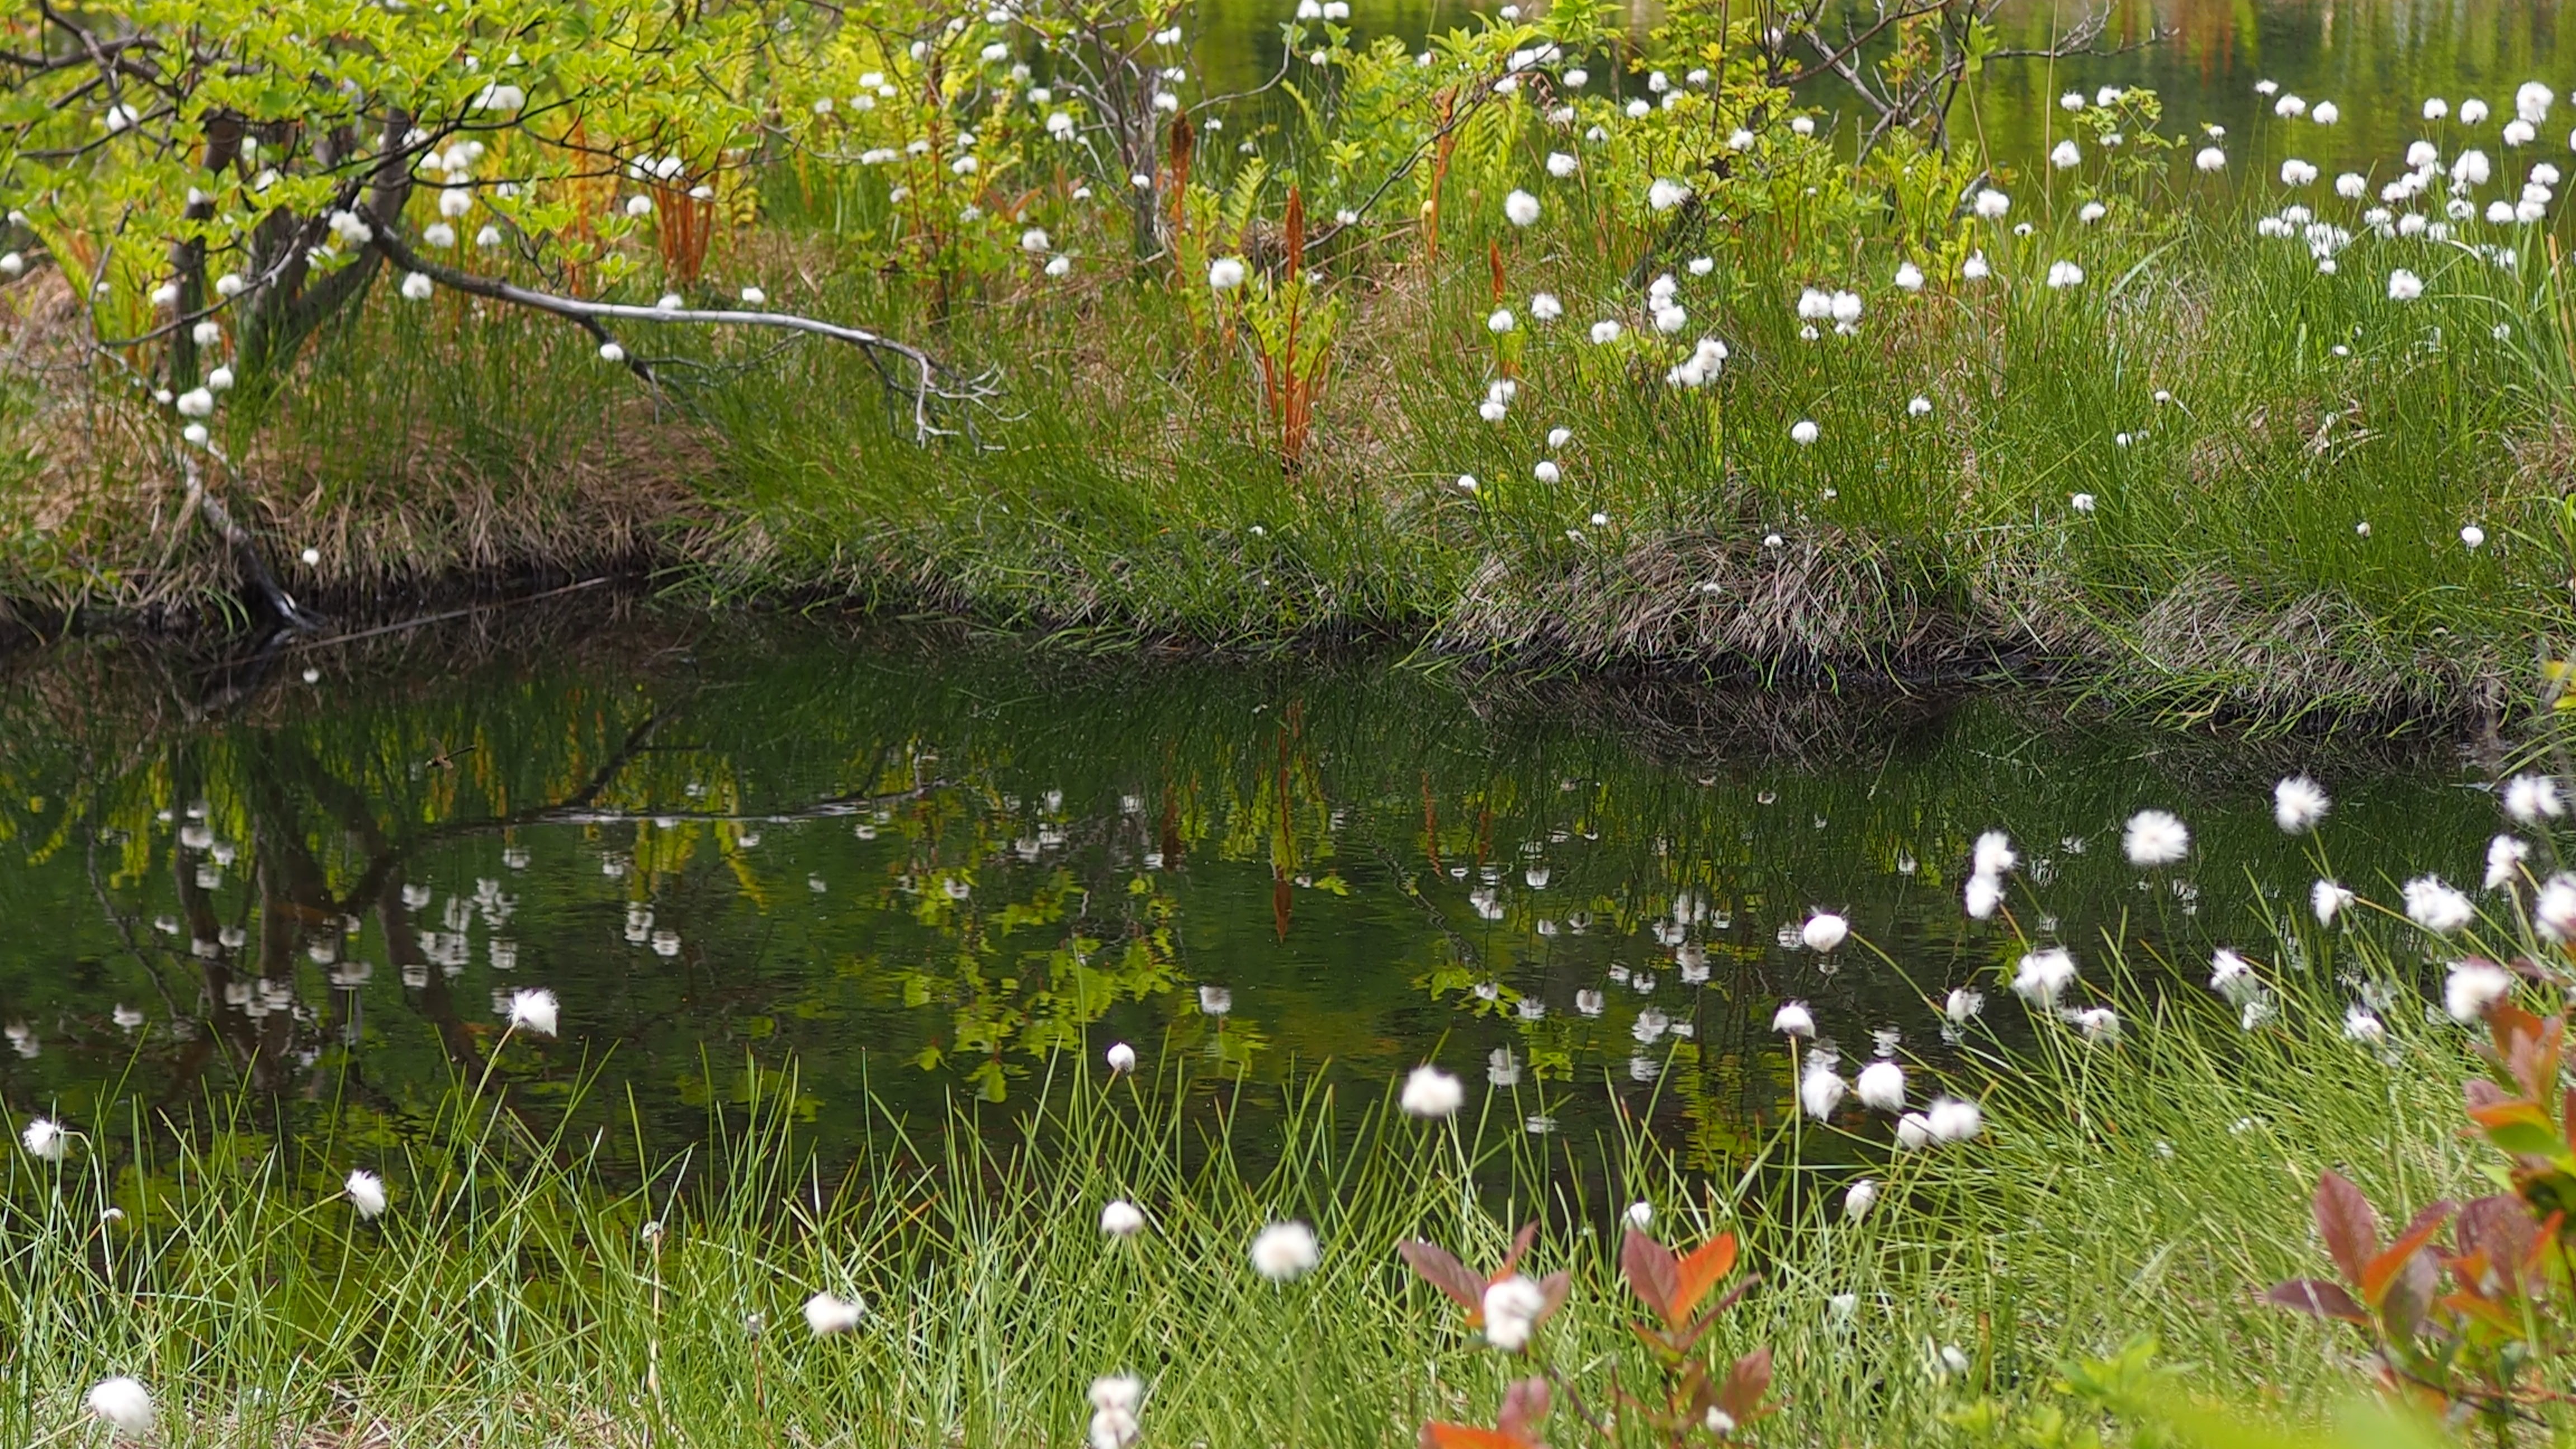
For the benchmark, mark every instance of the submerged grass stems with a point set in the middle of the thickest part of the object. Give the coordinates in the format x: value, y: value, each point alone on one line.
x: 523, y: 1287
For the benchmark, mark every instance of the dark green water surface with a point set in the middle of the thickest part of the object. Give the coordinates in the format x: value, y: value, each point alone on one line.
x: 915, y: 863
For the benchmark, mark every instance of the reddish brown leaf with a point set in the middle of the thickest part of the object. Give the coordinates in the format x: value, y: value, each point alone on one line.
x: 1435, y: 1266
x: 1651, y: 1272
x: 1747, y: 1383
x: 1524, y: 1404
x: 1705, y: 1268
x: 2350, y: 1228
x: 2497, y: 1231
x: 2317, y: 1298
x: 2383, y: 1270
x: 2481, y: 1093
x: 1512, y: 1260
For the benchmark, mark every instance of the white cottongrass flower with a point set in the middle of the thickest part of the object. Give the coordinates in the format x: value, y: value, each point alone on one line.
x: 2095, y: 1024
x: 1284, y: 1252
x: 2295, y: 172
x: 2067, y: 155
x: 535, y: 1009
x: 2289, y: 107
x: 1560, y: 164
x: 1859, y: 1198
x: 1881, y: 1086
x: 1909, y: 277
x: 2473, y: 989
x: 196, y: 402
x: 1035, y: 239
x: 124, y: 1404
x: 1993, y: 855
x: 2155, y: 837
x: 2473, y: 537
x: 2435, y: 906
x: 1976, y: 268
x: 2210, y: 158
x: 1500, y: 321
x: 1821, y: 1089
x: 1120, y: 1056
x: 2473, y: 112
x: 1964, y: 1005
x: 2325, y: 113
x: 2435, y: 108
x: 438, y: 234
x: 611, y: 352
x: 1059, y: 266
x: 1520, y: 208
x: 2231, y: 975
x: 2044, y: 975
x: 416, y: 287
x: 1121, y: 1218
x: 2553, y: 909
x: 2404, y: 286
x: 2533, y: 798
x: 1983, y: 894
x: 1913, y: 1132
x: 1114, y: 1399
x: 1604, y: 333
x: 2298, y: 803
x: 1918, y: 406
x: 1954, y: 1120
x: 1803, y: 432
x: 2505, y: 855
x: 1545, y: 307
x: 2062, y: 275
x: 2091, y: 212
x: 828, y: 1314
x: 2328, y: 899
x: 2081, y: 502
x: 45, y: 1138
x: 2363, y: 1025
x: 1992, y: 204
x: 1225, y: 273
x: 1794, y: 1019
x: 1666, y: 194
x: 366, y: 1193
x: 1512, y: 1309
x: 1824, y: 931
x: 1431, y: 1092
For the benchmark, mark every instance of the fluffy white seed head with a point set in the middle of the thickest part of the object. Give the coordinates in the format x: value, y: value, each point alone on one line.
x: 1859, y: 1198
x: 829, y: 1313
x: 1122, y: 1219
x: 536, y: 1010
x: 2474, y: 987
x: 1520, y: 208
x: 2044, y: 975
x: 2553, y: 908
x: 2404, y: 286
x: 1431, y: 1092
x: 124, y: 1404
x: 1983, y: 894
x: 44, y: 1138
x: 1512, y: 1309
x: 1964, y: 1005
x: 1824, y: 931
x: 1121, y: 1057
x: 2436, y: 906
x: 1952, y: 1119
x: 1882, y: 1087
x: 2327, y: 899
x: 1225, y: 273
x: 2155, y: 837
x: 1793, y: 1019
x: 1284, y: 1252
x: 366, y: 1193
x: 2298, y: 803
x: 1820, y: 1090
x: 1640, y: 1215
x: 2531, y: 799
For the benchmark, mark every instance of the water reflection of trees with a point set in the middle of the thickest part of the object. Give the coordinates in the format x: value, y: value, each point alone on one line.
x: 972, y: 859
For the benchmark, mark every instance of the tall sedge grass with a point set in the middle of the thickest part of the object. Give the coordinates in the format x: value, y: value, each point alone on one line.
x: 527, y: 1287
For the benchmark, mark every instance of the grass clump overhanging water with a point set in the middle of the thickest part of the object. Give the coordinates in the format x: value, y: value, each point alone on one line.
x: 2090, y: 1246
x: 1474, y: 348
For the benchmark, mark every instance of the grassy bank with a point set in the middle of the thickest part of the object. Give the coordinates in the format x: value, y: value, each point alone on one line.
x: 523, y: 1287
x: 2198, y: 446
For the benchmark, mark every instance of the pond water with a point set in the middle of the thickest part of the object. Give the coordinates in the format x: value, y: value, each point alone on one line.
x: 914, y: 862
x: 2377, y: 60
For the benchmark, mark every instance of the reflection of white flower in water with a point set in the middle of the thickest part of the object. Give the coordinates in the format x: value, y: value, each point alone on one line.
x: 1215, y: 1001
x: 1589, y: 1002
x: 2531, y: 798
x: 1502, y: 1069
x: 1649, y: 1026
x: 2505, y: 855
